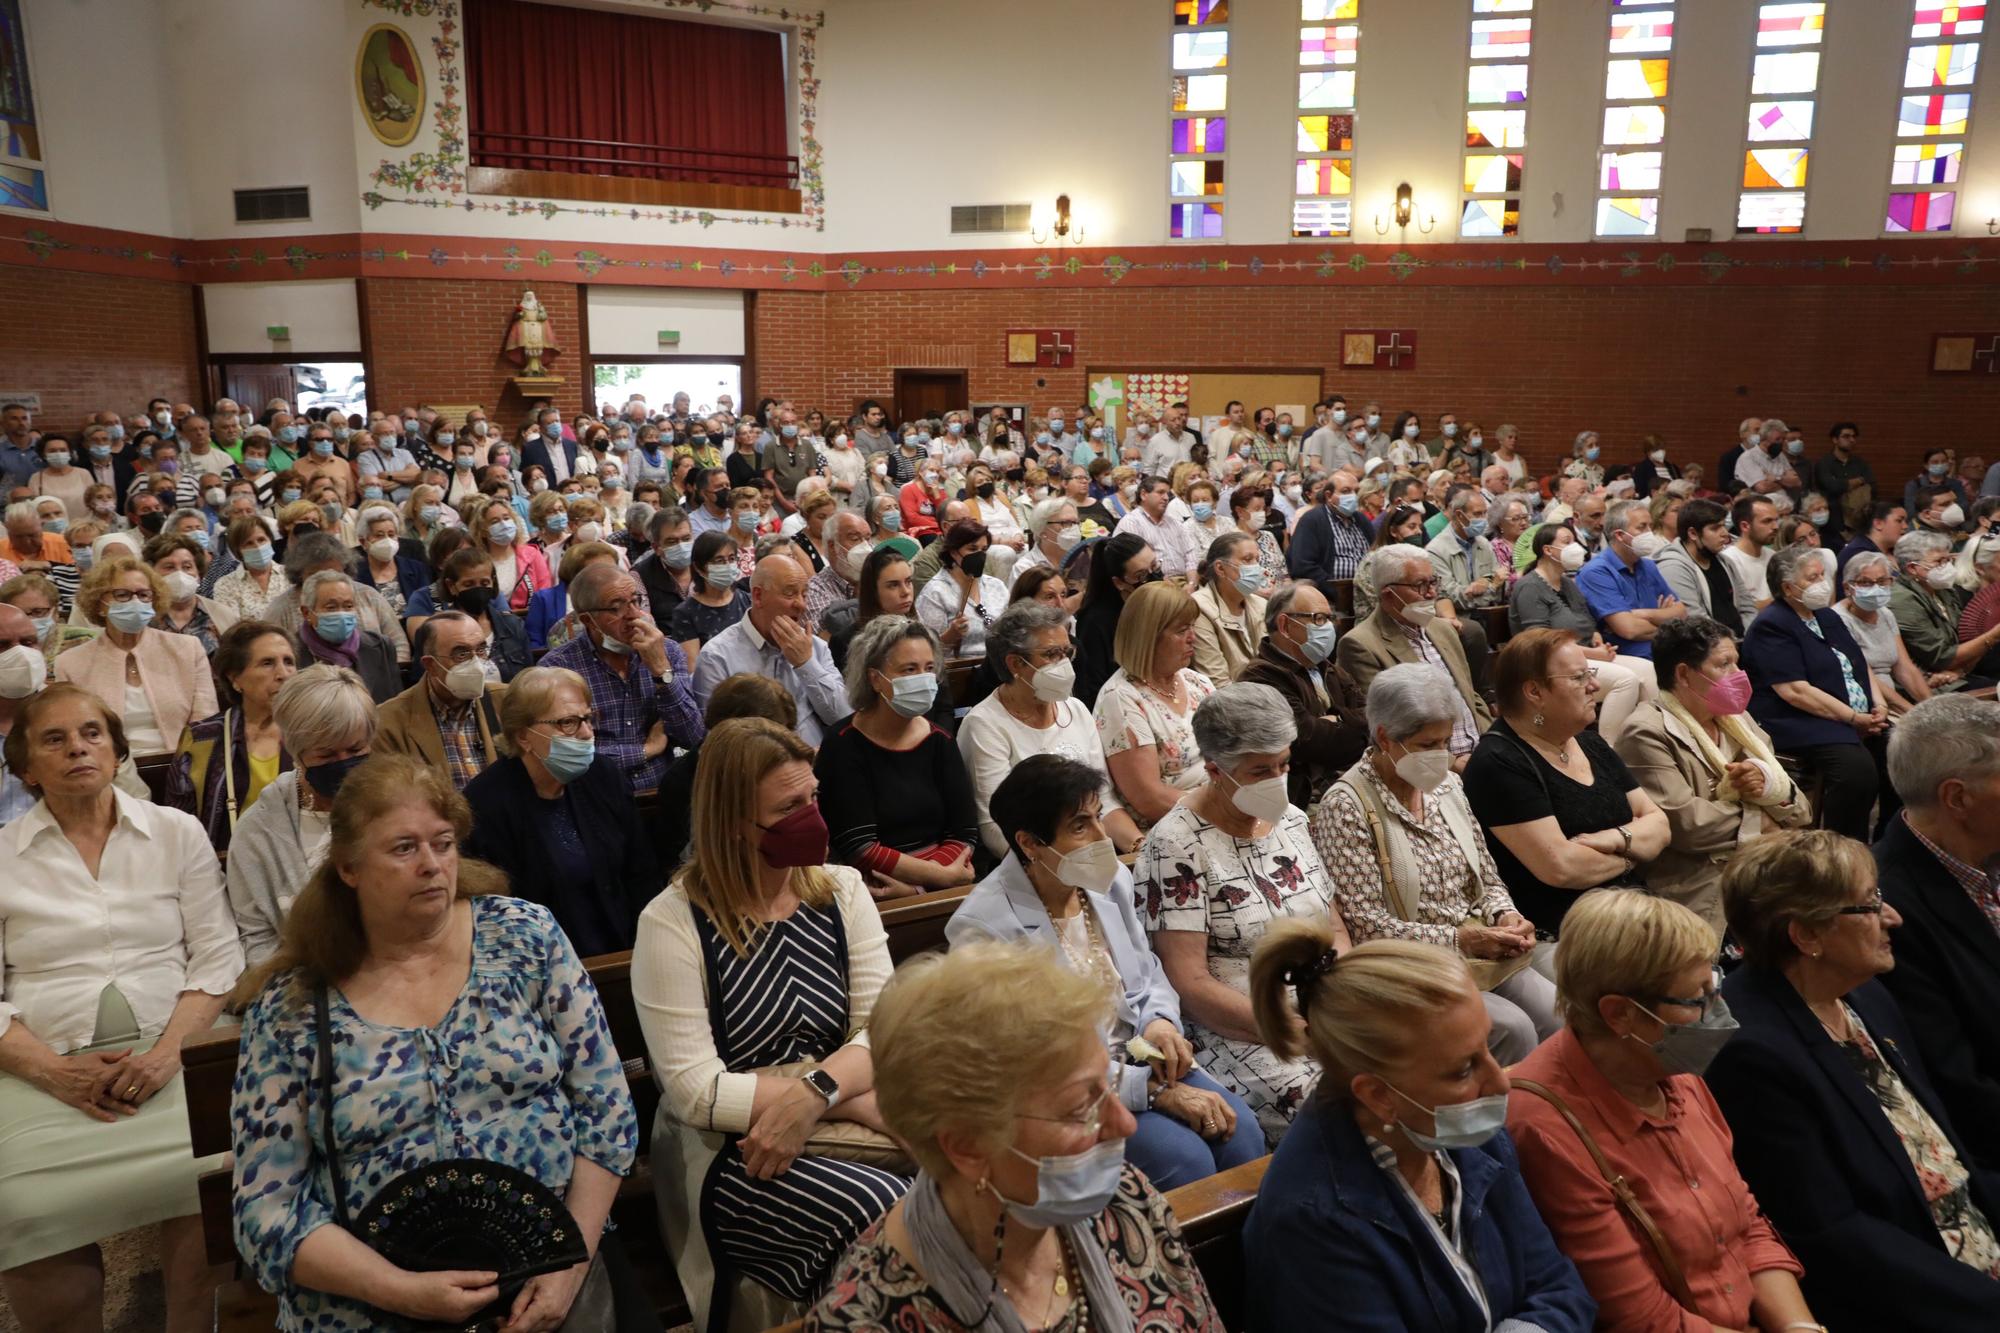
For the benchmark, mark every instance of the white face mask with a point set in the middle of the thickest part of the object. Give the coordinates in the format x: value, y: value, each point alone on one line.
x: 1425, y: 770
x: 1572, y: 557
x: 181, y: 585
x: 1054, y: 682
x: 1091, y: 868
x: 1816, y: 596
x: 382, y: 549
x: 1266, y: 799
x: 467, y: 680
x: 1951, y: 516
x: 1647, y: 545
x: 1418, y: 611
x: 23, y: 670
x: 1942, y: 576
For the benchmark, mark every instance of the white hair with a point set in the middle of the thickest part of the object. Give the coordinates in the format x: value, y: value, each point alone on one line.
x: 1407, y: 697
x: 1241, y: 720
x: 1945, y: 736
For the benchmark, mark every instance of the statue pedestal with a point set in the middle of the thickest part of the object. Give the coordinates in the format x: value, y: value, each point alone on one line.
x: 538, y: 386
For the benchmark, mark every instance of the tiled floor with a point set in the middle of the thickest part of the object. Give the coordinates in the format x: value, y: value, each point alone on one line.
x: 132, y: 1299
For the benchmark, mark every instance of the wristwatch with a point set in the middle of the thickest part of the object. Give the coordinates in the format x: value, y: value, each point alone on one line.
x: 1624, y: 831
x: 823, y: 1083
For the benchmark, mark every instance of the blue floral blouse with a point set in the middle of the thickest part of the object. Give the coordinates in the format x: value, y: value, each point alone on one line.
x: 520, y: 1070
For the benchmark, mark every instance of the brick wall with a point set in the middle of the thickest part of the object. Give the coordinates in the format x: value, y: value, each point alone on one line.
x: 87, y: 341
x: 439, y: 340
x: 1687, y: 363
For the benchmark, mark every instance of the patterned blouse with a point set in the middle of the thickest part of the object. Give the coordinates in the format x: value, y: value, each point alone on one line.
x: 520, y: 1070
x: 1131, y: 715
x: 875, y: 1288
x: 1967, y: 1234
x: 238, y: 592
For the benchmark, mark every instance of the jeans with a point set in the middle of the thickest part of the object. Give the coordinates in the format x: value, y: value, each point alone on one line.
x: 1172, y: 1154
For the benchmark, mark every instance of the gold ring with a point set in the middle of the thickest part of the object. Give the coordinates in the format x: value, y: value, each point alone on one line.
x: 132, y: 1091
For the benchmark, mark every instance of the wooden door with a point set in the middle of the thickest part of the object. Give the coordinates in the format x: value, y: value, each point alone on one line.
x: 255, y: 384
x: 928, y: 393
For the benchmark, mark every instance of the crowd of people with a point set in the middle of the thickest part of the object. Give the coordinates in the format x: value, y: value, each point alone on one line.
x: 1491, y: 847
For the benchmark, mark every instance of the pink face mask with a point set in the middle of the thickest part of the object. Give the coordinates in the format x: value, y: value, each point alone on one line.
x: 1730, y: 695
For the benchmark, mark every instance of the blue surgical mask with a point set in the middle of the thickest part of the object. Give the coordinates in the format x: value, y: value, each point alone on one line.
x: 199, y: 537
x: 788, y: 431
x: 116, y: 430
x: 336, y: 626
x: 323, y: 448
x: 569, y: 757
x: 1938, y: 469
x: 1074, y: 1189
x: 371, y: 492
x: 1202, y: 510
x: 746, y: 522
x: 290, y: 495
x: 257, y: 557
x: 1476, y: 528
x: 892, y: 521
x: 288, y: 435
x: 678, y: 555
x: 1249, y: 579
x: 1348, y: 502
x: 1871, y: 599
x: 1795, y: 447
x: 504, y: 532
x: 252, y: 464
x: 558, y: 521
x: 1318, y: 645
x: 56, y: 525
x: 100, y: 452
x: 912, y: 696
x: 722, y: 574
x: 129, y: 617
x: 57, y: 457
x: 1460, y: 1125
x: 432, y: 513
x: 1591, y: 453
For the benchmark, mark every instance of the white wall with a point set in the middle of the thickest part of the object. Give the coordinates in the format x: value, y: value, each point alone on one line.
x: 626, y: 321
x: 323, y: 315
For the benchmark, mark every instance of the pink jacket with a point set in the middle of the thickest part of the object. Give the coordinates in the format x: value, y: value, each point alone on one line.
x: 172, y: 670
x: 531, y: 575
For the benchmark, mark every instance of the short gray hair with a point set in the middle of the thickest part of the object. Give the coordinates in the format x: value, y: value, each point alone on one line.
x: 1616, y: 514
x: 1396, y: 557
x: 1787, y: 562
x: 309, y: 591
x: 314, y: 548
x: 1407, y: 697
x: 23, y: 510
x: 1242, y: 719
x: 1914, y: 546
x: 1945, y: 736
x: 1039, y: 516
x: 1016, y: 629
x: 1278, y: 602
x: 1462, y: 500
x: 1863, y: 562
x: 829, y: 531
x: 871, y: 646
x: 324, y: 707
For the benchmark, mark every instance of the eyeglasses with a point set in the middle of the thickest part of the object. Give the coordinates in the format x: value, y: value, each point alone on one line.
x: 1701, y: 1001
x: 1428, y: 588
x: 1873, y: 907
x: 1091, y: 1121
x: 1048, y: 655
x: 636, y: 602
x: 569, y: 725
x: 121, y: 596
x: 467, y: 652
x: 1578, y: 679
x: 1317, y: 618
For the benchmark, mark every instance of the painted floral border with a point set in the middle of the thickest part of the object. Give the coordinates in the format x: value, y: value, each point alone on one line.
x: 430, y: 176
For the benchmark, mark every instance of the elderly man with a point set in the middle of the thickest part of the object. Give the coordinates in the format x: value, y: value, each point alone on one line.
x: 1296, y: 660
x: 386, y: 463
x: 1330, y: 538
x: 1469, y: 576
x: 846, y: 535
x: 772, y: 640
x: 199, y: 455
x: 319, y: 461
x: 1587, y: 518
x: 1935, y: 865
x: 638, y: 677
x: 1168, y: 536
x: 1494, y: 480
x: 1927, y: 607
x: 1405, y: 627
x: 1054, y: 529
x: 930, y: 560
x: 1625, y: 589
x: 313, y: 552
x: 1764, y: 466
x: 451, y: 717
x: 35, y: 550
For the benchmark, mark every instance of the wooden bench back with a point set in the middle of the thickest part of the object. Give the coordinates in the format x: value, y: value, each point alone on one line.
x: 1211, y: 1214
x: 208, y: 1066
x: 916, y: 925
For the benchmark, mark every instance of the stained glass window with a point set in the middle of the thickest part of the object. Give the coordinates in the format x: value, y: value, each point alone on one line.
x: 1496, y: 116
x: 1323, y: 174
x: 1778, y: 133
x: 1924, y: 171
x: 1632, y: 148
x: 24, y: 184
x: 1197, y: 135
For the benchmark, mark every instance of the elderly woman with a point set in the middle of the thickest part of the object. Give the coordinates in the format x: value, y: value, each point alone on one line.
x: 34, y: 549
x: 155, y: 681
x: 1406, y: 860
x: 1229, y: 620
x: 1978, y: 562
x: 1838, y: 1128
x: 1561, y: 811
x: 248, y: 589
x: 1032, y: 713
x: 1546, y: 596
x: 118, y: 948
x: 1024, y: 1211
x: 1061, y: 887
x: 1510, y: 519
x: 1213, y: 875
x: 991, y: 509
x: 326, y: 723
x: 558, y: 819
x: 1248, y: 510
x: 1927, y: 605
x: 1398, y: 1188
x: 898, y: 804
x: 411, y: 995
x: 1145, y: 710
x: 1707, y: 765
x: 1642, y: 1021
x: 313, y: 552
x: 331, y: 632
x: 962, y: 604
x: 180, y: 562
x: 224, y: 762
x: 1814, y: 695
x: 520, y: 570
x: 1869, y: 581
x: 382, y: 562
x: 1584, y: 451
x: 757, y: 920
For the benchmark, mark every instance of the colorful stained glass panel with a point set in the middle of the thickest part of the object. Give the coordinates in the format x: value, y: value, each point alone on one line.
x: 1775, y: 168
x: 1327, y: 92
x: 1190, y: 179
x: 1634, y: 124
x: 1926, y: 163
x: 1201, y: 92
x: 1324, y: 11
x: 1954, y: 65
x: 1628, y: 217
x: 1329, y: 46
x: 1326, y: 134
x: 20, y: 138
x: 23, y: 187
x: 1771, y: 212
x: 1939, y: 113
x: 1201, y: 134
x: 1322, y: 217
x: 1496, y: 129
x: 1928, y: 210
x: 1325, y: 175
x: 1195, y: 13
x: 1628, y: 171
x: 1790, y: 25
x: 1187, y: 222
x: 1201, y: 50
x: 1492, y: 173
x: 1642, y: 32
x: 1635, y: 80
x: 1781, y: 120
x: 1501, y: 37
x: 1491, y: 84
x: 1484, y: 218
x: 1941, y: 20
x: 1785, y: 72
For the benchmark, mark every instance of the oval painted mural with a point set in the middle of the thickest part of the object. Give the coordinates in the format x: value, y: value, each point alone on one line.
x: 389, y: 83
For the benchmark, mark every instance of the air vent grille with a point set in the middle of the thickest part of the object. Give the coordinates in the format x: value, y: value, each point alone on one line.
x: 286, y: 203
x: 990, y: 218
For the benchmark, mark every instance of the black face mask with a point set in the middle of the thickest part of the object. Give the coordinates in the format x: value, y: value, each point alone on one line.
x: 473, y: 601
x: 1017, y: 475
x: 984, y: 490
x: 152, y: 523
x: 326, y: 779
x: 975, y: 564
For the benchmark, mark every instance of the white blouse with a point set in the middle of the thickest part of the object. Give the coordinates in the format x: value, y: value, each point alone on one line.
x: 154, y: 921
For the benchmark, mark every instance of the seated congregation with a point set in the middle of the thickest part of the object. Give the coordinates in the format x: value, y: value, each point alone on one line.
x: 905, y: 893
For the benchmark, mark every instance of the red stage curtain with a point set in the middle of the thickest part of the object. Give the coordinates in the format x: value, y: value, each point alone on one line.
x: 548, y: 70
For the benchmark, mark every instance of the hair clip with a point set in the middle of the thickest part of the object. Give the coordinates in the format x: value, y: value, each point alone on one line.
x: 1317, y: 968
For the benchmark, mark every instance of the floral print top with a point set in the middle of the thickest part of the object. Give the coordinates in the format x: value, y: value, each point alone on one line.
x: 521, y: 1070
x: 875, y: 1288
x: 1132, y: 715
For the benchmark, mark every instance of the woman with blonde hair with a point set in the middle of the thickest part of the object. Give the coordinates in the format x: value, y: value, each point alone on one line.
x: 1145, y: 711
x: 155, y: 680
x: 757, y: 922
x: 1024, y: 1212
x: 1623, y: 1079
x: 416, y: 1015
x: 519, y: 568
x: 1397, y: 1186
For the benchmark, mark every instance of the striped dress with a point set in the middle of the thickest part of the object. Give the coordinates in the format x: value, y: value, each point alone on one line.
x: 787, y: 1002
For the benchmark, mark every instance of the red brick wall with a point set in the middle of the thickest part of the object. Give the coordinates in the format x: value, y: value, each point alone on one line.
x: 86, y: 342
x: 439, y: 340
x: 1685, y: 362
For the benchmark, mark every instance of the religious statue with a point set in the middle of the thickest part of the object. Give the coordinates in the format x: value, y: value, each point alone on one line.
x: 530, y: 337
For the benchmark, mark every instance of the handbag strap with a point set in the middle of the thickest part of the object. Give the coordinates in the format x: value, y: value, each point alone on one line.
x: 325, y: 1026
x: 1621, y: 1189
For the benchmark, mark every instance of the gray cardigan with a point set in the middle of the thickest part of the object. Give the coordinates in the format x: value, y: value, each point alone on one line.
x: 266, y: 866
x: 1005, y: 906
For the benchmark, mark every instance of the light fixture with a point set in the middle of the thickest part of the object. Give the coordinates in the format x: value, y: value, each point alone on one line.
x: 1993, y: 226
x: 1405, y: 211
x: 1065, y: 227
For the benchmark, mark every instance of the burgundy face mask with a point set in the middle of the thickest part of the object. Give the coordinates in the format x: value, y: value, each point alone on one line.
x: 799, y: 839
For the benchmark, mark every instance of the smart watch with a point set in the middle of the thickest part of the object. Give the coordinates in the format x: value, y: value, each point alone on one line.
x: 823, y: 1083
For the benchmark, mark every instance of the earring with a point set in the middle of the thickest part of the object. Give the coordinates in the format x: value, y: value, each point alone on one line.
x: 1536, y: 721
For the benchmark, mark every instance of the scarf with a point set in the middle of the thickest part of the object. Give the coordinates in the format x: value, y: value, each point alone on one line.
x: 1756, y: 747
x: 972, y: 1294
x: 339, y: 654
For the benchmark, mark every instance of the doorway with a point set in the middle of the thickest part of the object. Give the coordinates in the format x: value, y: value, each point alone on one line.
x: 305, y: 383
x: 929, y: 393
x: 657, y: 381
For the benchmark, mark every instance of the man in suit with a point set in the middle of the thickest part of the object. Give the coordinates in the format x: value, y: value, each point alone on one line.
x: 556, y: 455
x: 1933, y: 866
x: 1405, y: 628
x: 451, y: 717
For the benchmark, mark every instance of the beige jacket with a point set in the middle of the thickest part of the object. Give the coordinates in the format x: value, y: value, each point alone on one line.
x: 1224, y: 643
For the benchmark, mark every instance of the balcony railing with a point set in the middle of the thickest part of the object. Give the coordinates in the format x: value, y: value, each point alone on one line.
x: 610, y: 157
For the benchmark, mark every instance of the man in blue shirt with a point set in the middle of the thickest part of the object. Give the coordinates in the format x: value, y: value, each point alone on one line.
x: 1625, y: 589
x: 18, y: 459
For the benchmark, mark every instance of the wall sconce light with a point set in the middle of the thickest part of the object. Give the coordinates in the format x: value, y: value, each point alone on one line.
x: 1993, y: 226
x: 1065, y: 226
x: 1405, y: 211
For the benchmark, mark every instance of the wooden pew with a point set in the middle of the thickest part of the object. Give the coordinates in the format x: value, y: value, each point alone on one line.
x: 1494, y: 618
x: 916, y: 925
x: 153, y: 771
x: 1211, y: 1213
